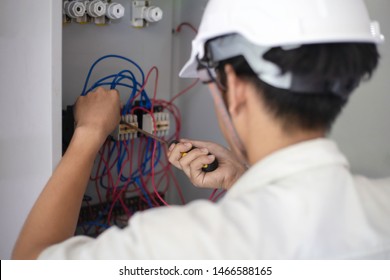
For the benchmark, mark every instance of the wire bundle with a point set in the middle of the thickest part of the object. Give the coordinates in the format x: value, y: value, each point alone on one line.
x: 137, y: 167
x: 133, y: 168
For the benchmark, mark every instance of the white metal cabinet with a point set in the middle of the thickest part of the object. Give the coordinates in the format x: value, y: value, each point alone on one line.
x: 30, y: 107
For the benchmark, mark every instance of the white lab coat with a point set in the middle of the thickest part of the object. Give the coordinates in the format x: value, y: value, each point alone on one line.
x: 299, y: 203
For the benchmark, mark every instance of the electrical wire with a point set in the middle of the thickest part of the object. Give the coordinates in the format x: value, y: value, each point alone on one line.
x: 186, y: 24
x: 138, y: 166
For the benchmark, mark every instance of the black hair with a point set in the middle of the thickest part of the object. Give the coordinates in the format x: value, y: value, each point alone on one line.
x: 308, y: 111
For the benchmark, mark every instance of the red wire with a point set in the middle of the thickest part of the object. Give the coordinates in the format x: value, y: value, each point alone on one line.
x: 164, y: 171
x: 155, y: 129
x: 125, y: 185
x: 116, y: 196
x: 152, y: 160
x: 153, y: 175
x: 168, y: 171
x: 213, y: 194
x: 184, y: 91
x: 187, y: 24
x: 219, y: 195
x: 143, y: 181
x: 183, y: 201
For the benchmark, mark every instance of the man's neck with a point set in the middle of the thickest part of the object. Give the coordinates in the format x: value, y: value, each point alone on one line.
x: 266, y: 135
x: 267, y: 143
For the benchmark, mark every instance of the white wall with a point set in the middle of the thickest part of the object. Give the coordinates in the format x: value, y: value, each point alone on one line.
x: 30, y: 102
x: 363, y: 130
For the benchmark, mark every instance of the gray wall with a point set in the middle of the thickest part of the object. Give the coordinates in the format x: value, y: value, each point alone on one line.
x: 363, y: 131
x: 199, y: 121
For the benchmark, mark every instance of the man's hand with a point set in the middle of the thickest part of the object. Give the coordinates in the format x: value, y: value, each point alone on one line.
x: 99, y: 111
x: 227, y: 173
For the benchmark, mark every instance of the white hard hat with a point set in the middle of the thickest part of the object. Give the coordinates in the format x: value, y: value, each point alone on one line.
x: 271, y: 23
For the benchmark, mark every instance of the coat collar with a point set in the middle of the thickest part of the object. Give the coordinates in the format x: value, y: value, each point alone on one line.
x: 301, y: 157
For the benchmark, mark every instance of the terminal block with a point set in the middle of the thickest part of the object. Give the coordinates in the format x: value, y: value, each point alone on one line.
x: 161, y: 127
x: 123, y: 132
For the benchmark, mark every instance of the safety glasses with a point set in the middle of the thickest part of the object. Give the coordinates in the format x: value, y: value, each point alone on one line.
x: 207, y: 74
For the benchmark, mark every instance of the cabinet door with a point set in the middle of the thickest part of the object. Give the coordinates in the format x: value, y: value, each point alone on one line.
x: 30, y: 107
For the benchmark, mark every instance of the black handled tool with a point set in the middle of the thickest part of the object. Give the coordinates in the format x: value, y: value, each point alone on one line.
x: 206, y: 168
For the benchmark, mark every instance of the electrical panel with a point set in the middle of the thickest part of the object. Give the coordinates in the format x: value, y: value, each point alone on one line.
x: 124, y: 45
x: 129, y: 46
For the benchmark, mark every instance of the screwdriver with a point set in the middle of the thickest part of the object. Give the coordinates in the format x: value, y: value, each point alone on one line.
x: 206, y: 168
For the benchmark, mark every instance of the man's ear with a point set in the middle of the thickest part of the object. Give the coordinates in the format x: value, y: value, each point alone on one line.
x: 236, y: 93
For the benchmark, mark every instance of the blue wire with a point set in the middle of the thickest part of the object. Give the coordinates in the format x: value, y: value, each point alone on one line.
x: 144, y: 164
x: 91, y: 224
x: 126, y: 79
x: 104, y: 168
x: 109, y: 84
x: 97, y: 84
x: 119, y: 77
x: 117, y: 82
x: 144, y: 193
x: 122, y: 155
x: 84, y: 92
x: 147, y: 159
x: 135, y: 174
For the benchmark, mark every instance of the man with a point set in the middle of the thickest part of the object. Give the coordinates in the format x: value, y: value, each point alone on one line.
x: 280, y: 72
